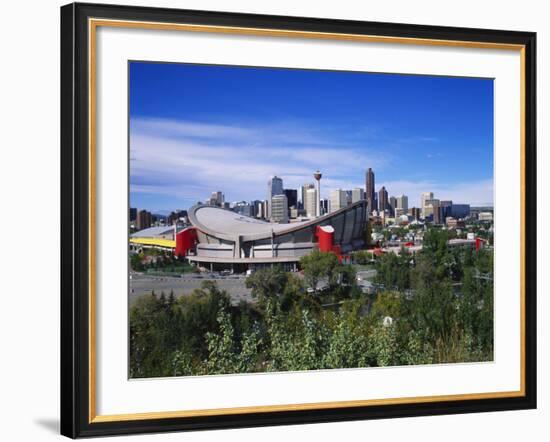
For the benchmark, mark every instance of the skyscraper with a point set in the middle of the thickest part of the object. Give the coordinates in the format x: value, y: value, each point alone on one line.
x: 175, y: 217
x: 446, y: 208
x: 460, y: 211
x: 324, y: 206
x: 303, y: 195
x: 349, y: 194
x: 216, y: 199
x: 338, y: 200
x: 265, y: 209
x: 279, y: 209
x: 258, y: 208
x: 369, y: 187
x: 144, y: 219
x: 383, y: 203
x: 403, y: 202
x: 274, y: 187
x: 431, y: 209
x: 310, y: 204
x: 423, y: 198
x: 356, y: 195
x: 436, y: 210
x: 401, y: 205
x: 414, y: 212
x: 292, y: 197
x: 393, y: 205
x: 243, y: 208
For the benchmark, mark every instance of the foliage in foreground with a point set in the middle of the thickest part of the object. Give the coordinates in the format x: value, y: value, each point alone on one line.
x: 434, y: 307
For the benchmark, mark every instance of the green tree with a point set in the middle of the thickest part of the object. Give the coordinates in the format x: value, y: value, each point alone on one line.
x: 362, y: 257
x: 347, y: 342
x: 433, y: 306
x: 392, y: 271
x: 297, y: 339
x: 321, y: 265
x: 162, y: 326
x: 434, y: 244
x: 222, y: 356
x: 248, y: 358
x: 440, y: 302
x: 368, y: 234
x: 182, y: 363
x: 318, y: 265
x: 136, y: 263
x: 389, y: 303
x: 199, y: 314
x: 267, y: 283
x: 383, y: 345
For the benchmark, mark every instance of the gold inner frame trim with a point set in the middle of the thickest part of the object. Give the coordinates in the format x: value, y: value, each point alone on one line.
x: 93, y: 24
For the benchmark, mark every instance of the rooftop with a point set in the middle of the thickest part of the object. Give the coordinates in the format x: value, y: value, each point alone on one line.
x: 153, y: 232
x: 227, y: 224
x: 224, y: 221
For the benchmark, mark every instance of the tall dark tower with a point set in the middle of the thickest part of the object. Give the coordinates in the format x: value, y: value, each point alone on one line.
x: 383, y: 200
x: 369, y: 187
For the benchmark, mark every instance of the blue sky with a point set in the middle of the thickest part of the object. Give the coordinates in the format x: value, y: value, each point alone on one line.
x: 195, y: 129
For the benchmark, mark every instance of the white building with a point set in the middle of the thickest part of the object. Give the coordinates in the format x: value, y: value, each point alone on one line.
x: 259, y: 207
x: 356, y: 195
x: 402, y: 219
x: 310, y: 204
x: 402, y: 202
x: 485, y: 216
x: 303, y: 194
x: 338, y: 200
x: 216, y: 199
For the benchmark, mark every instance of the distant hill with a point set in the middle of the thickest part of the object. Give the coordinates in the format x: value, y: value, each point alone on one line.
x: 162, y: 213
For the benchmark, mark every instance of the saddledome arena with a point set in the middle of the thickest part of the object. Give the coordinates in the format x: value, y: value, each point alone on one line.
x: 221, y: 238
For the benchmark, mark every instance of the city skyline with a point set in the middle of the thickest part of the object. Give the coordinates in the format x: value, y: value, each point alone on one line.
x: 338, y: 199
x: 190, y: 135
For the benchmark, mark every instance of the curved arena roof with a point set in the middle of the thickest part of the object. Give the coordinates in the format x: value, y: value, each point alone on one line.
x: 226, y: 224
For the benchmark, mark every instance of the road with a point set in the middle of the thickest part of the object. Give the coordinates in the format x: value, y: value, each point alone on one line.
x: 364, y: 280
x: 366, y: 274
x: 235, y: 285
x: 144, y: 284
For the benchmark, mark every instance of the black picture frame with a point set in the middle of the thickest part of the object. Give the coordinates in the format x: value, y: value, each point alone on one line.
x: 75, y: 220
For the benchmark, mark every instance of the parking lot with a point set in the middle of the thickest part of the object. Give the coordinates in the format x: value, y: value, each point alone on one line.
x: 141, y: 284
x: 234, y: 285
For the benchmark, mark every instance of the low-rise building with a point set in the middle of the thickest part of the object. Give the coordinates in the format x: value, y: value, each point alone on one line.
x: 485, y: 216
x: 453, y: 222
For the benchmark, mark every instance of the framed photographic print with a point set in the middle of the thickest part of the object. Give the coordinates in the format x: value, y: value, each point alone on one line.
x: 274, y: 220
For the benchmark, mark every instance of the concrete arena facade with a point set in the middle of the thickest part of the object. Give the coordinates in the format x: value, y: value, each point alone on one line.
x: 225, y: 237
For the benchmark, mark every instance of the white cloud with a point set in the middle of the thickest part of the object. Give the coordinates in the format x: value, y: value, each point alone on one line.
x: 189, y: 160
x: 196, y: 158
x: 187, y: 129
